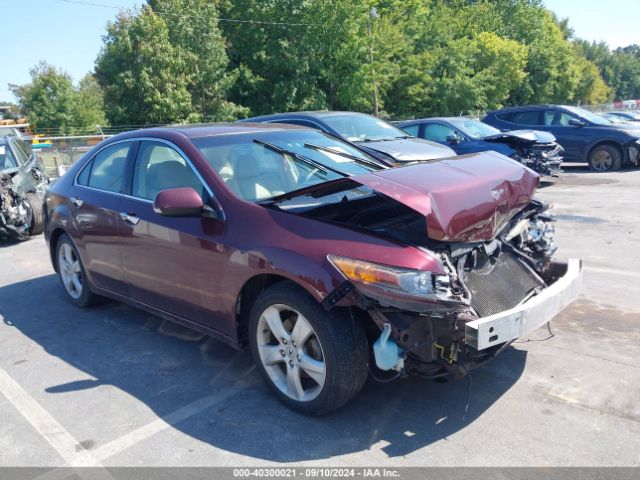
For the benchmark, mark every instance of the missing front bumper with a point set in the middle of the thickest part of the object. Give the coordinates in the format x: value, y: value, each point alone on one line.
x: 510, y: 324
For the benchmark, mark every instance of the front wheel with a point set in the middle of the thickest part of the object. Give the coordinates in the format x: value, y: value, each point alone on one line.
x: 37, y: 218
x: 605, y: 158
x: 314, y: 361
x: 72, y: 274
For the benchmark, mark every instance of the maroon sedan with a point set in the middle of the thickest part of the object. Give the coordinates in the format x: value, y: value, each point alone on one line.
x: 325, y: 263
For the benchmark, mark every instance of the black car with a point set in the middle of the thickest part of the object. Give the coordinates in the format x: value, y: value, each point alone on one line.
x: 23, y: 182
x: 376, y: 137
x: 585, y: 136
x: 535, y: 149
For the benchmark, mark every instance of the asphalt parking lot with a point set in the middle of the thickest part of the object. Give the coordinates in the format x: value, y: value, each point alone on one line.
x: 115, y: 386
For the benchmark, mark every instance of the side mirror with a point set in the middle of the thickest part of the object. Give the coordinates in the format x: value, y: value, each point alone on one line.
x: 178, y: 202
x: 453, y: 139
x: 576, y: 123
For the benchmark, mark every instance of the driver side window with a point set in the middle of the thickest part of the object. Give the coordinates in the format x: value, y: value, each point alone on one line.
x: 437, y: 132
x: 557, y: 118
x: 159, y: 167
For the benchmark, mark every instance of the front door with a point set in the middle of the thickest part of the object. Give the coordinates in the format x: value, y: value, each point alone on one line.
x: 171, y: 263
x: 572, y: 138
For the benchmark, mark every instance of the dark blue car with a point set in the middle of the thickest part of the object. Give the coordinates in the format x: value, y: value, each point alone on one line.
x: 375, y: 137
x: 585, y: 136
x: 537, y: 150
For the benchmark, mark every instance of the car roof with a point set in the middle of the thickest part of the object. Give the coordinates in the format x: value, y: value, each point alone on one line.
x: 528, y: 107
x: 319, y: 114
x: 214, y: 129
x: 435, y: 119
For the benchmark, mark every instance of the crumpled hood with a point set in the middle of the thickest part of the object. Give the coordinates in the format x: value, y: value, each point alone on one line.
x: 409, y: 149
x: 519, y: 137
x: 464, y: 199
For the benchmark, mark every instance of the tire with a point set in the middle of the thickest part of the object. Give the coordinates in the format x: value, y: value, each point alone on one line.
x: 605, y: 158
x: 330, y: 362
x: 67, y: 256
x: 37, y: 218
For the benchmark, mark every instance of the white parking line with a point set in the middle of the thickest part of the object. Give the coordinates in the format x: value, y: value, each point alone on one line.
x: 225, y: 386
x: 47, y: 426
x: 613, y: 271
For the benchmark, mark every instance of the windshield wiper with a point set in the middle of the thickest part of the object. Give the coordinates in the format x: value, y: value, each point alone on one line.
x: 355, y: 158
x: 298, y: 156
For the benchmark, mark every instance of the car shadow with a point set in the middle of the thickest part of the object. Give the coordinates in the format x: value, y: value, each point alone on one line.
x: 167, y: 367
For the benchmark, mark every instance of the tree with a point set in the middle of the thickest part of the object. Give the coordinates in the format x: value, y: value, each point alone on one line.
x: 198, y: 40
x: 318, y: 60
x: 88, y: 105
x: 157, y: 66
x: 143, y: 75
x: 54, y: 105
x: 48, y: 100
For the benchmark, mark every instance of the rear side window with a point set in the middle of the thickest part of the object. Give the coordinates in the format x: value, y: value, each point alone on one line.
x: 106, y: 171
x: 412, y: 129
x: 530, y: 117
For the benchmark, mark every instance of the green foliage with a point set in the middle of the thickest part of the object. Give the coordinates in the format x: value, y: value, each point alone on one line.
x: 88, y: 105
x: 144, y: 77
x: 52, y: 103
x: 175, y: 61
x: 319, y: 63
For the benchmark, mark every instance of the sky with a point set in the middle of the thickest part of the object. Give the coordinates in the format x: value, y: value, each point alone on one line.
x: 68, y: 34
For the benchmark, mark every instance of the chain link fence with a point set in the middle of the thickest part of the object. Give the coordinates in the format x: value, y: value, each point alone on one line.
x: 59, y: 153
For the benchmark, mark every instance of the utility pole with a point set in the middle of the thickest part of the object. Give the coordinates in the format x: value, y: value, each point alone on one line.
x: 373, y: 13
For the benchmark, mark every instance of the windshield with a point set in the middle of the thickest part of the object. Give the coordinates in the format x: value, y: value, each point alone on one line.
x: 625, y: 115
x: 264, y: 165
x: 587, y: 115
x: 359, y: 127
x: 473, y: 128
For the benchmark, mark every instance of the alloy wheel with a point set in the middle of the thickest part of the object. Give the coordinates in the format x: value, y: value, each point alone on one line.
x: 291, y: 353
x: 602, y: 160
x: 70, y: 270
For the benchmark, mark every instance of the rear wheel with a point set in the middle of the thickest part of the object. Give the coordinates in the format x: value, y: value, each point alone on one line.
x: 314, y: 361
x: 37, y: 219
x: 72, y: 274
x: 605, y: 158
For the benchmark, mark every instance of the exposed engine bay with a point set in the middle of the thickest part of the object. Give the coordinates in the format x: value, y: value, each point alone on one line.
x: 484, y: 279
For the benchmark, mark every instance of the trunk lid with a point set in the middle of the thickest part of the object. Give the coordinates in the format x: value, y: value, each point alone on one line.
x: 464, y: 199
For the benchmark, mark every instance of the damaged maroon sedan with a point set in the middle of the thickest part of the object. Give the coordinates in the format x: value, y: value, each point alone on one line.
x: 325, y: 263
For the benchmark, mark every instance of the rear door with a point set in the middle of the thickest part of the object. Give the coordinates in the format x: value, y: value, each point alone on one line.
x: 174, y: 264
x: 94, y: 201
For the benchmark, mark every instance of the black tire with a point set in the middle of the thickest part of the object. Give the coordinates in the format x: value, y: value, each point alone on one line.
x: 37, y: 217
x: 605, y: 158
x: 343, y: 345
x: 87, y: 297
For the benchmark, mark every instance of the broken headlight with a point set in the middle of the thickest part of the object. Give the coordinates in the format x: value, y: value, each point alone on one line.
x: 418, y: 283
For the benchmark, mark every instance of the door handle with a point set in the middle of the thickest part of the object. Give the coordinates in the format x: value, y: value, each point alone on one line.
x: 131, y: 218
x: 76, y: 202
